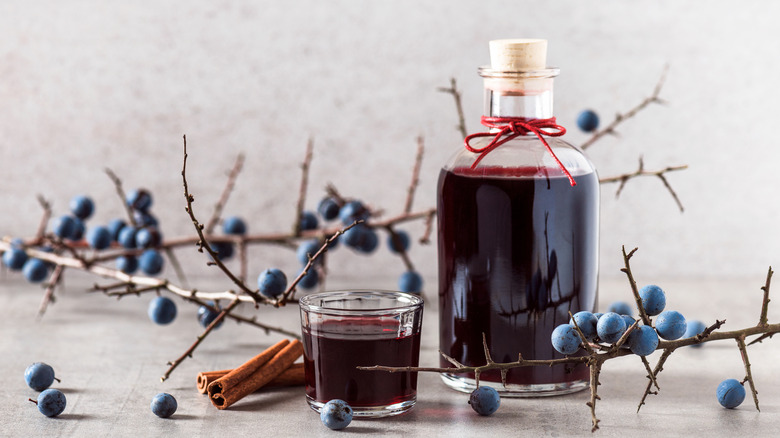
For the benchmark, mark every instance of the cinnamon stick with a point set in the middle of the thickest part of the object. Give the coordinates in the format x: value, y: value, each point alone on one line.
x: 250, y: 377
x: 293, y: 376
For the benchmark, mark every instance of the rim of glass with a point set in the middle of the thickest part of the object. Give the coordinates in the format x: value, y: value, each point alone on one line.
x: 414, y: 302
x: 549, y: 72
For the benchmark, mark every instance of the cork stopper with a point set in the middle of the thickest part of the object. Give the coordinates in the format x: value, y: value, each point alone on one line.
x: 520, y: 54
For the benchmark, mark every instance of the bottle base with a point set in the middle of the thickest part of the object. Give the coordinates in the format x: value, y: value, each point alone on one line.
x: 465, y: 384
x: 370, y: 411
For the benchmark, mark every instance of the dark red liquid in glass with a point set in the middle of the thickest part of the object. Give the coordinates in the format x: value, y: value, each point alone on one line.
x: 330, y: 362
x: 517, y: 252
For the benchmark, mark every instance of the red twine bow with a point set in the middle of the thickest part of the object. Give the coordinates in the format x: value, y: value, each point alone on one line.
x: 511, y: 127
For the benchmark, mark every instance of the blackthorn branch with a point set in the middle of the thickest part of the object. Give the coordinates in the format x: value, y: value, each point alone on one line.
x: 596, y: 354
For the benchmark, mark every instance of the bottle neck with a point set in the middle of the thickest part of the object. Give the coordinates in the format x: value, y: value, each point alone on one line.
x: 529, y: 99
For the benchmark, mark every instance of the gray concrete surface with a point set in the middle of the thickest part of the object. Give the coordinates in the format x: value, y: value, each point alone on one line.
x: 110, y: 357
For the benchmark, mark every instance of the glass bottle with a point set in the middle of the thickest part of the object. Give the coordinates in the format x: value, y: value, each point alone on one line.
x: 518, y: 244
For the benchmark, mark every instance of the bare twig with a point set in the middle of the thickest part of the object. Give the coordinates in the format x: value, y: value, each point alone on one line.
x: 415, y: 175
x: 48, y: 295
x: 748, y: 374
x: 203, y: 243
x: 453, y: 90
x: 122, y: 197
x: 640, y: 172
x: 223, y: 198
x: 304, y: 184
x: 176, y: 266
x: 762, y: 321
x: 44, y: 219
x: 172, y: 365
x: 637, y: 299
x: 619, y: 118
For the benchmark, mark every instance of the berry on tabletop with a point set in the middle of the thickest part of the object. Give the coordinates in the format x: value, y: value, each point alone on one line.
x: 39, y: 376
x: 51, y: 402
x: 336, y: 414
x: 730, y: 393
x: 484, y: 400
x: 164, y: 405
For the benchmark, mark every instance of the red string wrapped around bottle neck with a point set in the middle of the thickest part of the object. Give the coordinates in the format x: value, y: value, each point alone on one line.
x: 512, y: 127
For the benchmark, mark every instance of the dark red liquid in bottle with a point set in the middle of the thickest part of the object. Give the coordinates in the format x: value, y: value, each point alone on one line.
x: 517, y: 252
x: 330, y: 363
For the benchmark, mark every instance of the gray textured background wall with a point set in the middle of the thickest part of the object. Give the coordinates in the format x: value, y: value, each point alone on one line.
x: 87, y: 85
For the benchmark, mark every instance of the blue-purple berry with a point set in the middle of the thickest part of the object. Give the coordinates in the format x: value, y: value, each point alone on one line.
x: 150, y: 262
x: 730, y: 393
x: 126, y: 237
x: 139, y: 199
x: 82, y: 207
x: 653, y: 299
x: 643, y: 340
x: 115, y: 226
x: 398, y: 242
x: 39, y: 376
x: 308, y: 221
x: 670, y: 325
x: 369, y: 243
x: 328, y: 208
x: 353, y: 211
x: 78, y: 230
x: 272, y: 283
x: 586, y: 321
x: 15, y: 258
x: 410, y: 282
x: 310, y: 280
x: 484, y: 400
x: 610, y: 327
x: 127, y: 264
x: 693, y: 328
x: 99, y: 237
x: 149, y: 237
x: 234, y: 225
x: 224, y: 250
x: 336, y: 414
x: 307, y: 249
x: 64, y: 226
x: 164, y: 405
x: 588, y: 120
x: 565, y: 339
x: 621, y: 308
x: 162, y: 310
x: 207, y: 314
x: 35, y: 270
x: 51, y: 402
